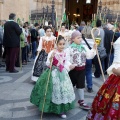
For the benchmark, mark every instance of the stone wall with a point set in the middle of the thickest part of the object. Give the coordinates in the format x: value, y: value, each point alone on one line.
x: 20, y: 7
x: 112, y: 4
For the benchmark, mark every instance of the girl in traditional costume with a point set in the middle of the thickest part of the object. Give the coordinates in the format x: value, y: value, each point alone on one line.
x: 46, y: 45
x: 60, y: 94
x: 106, y: 104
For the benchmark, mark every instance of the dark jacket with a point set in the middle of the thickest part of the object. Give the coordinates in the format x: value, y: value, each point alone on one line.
x: 12, y: 33
x: 1, y: 35
x: 34, y: 35
x: 108, y: 39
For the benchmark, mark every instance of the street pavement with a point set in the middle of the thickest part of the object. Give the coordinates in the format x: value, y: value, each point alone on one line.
x: 15, y: 89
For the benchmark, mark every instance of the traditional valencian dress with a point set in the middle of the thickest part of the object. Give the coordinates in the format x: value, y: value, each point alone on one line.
x: 60, y: 94
x: 106, y: 104
x: 46, y: 45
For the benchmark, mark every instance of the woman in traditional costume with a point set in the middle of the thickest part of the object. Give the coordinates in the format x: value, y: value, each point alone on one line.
x: 46, y: 45
x: 65, y: 33
x: 106, y: 104
x: 60, y: 94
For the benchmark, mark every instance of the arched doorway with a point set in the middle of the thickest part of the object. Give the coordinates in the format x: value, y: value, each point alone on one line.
x: 78, y: 10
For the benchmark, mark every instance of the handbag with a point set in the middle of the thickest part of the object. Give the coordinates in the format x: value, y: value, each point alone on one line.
x: 102, y: 53
x: 101, y: 49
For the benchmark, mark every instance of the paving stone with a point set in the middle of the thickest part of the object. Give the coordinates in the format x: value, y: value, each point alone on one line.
x: 15, y: 93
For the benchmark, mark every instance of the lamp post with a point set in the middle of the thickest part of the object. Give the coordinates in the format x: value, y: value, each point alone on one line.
x: 53, y: 9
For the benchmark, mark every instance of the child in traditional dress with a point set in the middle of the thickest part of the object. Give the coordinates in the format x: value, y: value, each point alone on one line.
x: 60, y: 94
x: 106, y: 104
x: 46, y: 45
x: 77, y: 54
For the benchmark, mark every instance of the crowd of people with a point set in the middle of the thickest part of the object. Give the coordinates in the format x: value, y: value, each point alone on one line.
x: 62, y: 62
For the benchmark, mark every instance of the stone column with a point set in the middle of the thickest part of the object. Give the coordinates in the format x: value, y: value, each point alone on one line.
x: 116, y: 5
x: 119, y: 4
x: 111, y: 4
x: 107, y: 3
x: 1, y: 9
x: 104, y: 2
x: 63, y: 6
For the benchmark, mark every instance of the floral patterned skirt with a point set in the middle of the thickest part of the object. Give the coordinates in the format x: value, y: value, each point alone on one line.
x: 60, y: 94
x: 106, y: 104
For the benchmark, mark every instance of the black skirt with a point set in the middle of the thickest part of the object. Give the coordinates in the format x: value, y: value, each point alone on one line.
x: 40, y: 64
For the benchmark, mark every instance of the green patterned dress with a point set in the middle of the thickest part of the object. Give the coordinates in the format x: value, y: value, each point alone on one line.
x: 60, y: 94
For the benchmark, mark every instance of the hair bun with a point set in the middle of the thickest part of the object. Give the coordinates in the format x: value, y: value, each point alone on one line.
x: 60, y: 37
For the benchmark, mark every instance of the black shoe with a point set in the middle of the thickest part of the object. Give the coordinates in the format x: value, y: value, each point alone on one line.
x: 2, y: 65
x: 7, y: 70
x: 14, y: 71
x: 97, y: 76
x: 29, y: 61
x: 24, y: 63
x: 3, y: 60
x: 105, y: 73
x: 90, y: 90
x: 17, y: 65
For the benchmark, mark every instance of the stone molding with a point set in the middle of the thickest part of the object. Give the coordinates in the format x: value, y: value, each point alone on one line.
x: 49, y: 2
x: 1, y: 1
x: 111, y: 2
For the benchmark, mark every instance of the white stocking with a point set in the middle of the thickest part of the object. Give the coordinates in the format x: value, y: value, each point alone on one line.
x: 81, y: 93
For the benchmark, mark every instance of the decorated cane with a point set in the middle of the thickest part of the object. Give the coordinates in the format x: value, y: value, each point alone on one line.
x: 46, y: 87
x: 20, y: 58
x: 97, y: 40
x: 20, y: 52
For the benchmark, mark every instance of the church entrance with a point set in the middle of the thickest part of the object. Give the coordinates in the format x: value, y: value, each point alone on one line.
x: 80, y: 10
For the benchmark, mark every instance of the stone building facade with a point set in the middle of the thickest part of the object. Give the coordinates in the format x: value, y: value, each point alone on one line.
x: 112, y: 4
x: 23, y: 8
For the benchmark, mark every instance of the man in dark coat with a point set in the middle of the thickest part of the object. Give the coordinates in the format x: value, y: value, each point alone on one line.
x: 107, y: 44
x: 11, y: 42
x: 34, y: 39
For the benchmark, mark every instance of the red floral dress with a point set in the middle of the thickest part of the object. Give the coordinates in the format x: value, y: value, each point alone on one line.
x: 106, y: 104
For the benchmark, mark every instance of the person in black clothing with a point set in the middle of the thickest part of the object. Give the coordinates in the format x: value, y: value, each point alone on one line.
x: 1, y: 42
x: 110, y: 37
x: 107, y: 44
x: 11, y: 42
x: 34, y: 38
